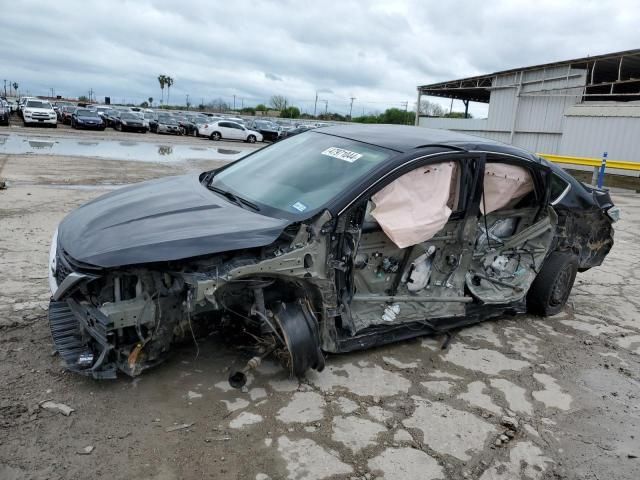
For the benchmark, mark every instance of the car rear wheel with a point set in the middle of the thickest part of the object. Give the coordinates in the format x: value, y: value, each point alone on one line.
x: 551, y: 288
x: 251, y: 139
x: 215, y: 136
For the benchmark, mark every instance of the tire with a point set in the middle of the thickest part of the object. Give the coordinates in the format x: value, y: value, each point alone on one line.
x: 73, y: 124
x: 251, y: 139
x: 215, y: 136
x: 551, y: 288
x: 55, y: 125
x: 25, y: 123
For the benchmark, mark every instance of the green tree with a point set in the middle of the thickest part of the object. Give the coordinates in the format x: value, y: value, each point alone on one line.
x: 290, y: 112
x: 150, y: 100
x: 83, y: 98
x: 144, y: 105
x: 457, y: 115
x: 261, y: 107
x: 248, y: 110
x: 15, y: 87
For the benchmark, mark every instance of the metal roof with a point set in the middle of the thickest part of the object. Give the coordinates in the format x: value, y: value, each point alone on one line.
x: 609, y: 75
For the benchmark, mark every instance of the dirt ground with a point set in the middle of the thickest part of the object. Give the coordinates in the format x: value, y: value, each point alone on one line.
x: 571, y: 383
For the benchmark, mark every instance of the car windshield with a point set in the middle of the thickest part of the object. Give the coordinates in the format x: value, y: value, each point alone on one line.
x: 167, y: 120
x: 129, y: 116
x: 83, y: 112
x: 300, y: 174
x: 38, y: 104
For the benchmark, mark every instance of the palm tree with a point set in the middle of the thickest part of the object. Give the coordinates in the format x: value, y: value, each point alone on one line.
x: 162, y: 80
x: 169, y: 82
x: 15, y: 88
x: 150, y: 101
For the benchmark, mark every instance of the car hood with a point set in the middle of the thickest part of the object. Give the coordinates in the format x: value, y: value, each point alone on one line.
x: 84, y: 118
x: 172, y: 218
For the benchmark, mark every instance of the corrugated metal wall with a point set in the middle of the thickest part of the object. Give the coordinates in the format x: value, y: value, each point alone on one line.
x: 591, y: 136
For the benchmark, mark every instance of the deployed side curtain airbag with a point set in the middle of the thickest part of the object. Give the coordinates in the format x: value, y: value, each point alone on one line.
x: 413, y: 208
x: 504, y: 185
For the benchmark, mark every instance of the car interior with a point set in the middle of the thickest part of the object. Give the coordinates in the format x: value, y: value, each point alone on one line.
x: 431, y: 242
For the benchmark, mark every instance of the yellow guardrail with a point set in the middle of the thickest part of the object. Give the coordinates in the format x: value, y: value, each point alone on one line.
x: 591, y: 162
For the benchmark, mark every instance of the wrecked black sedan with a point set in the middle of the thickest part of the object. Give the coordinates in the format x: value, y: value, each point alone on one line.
x: 337, y: 239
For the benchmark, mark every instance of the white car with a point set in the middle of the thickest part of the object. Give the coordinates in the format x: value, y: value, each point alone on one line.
x: 220, y: 129
x: 39, y: 112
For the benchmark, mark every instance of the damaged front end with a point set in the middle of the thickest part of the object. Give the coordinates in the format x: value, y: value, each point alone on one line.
x: 271, y: 299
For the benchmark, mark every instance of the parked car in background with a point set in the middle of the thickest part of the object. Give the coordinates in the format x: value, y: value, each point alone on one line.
x: 186, y: 124
x: 129, y: 122
x: 87, y: 118
x: 5, y: 113
x: 269, y: 130
x: 148, y: 118
x: 199, y: 122
x: 168, y: 124
x: 224, y: 129
x: 57, y: 106
x: 65, y: 113
x: 296, y: 131
x: 13, y: 105
x: 39, y: 112
x: 111, y: 117
x: 21, y: 103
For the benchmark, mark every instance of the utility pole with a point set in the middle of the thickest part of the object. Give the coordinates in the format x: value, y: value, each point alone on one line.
x: 326, y: 107
x: 315, y: 105
x: 406, y: 107
x: 234, y: 102
x: 187, y: 101
x: 90, y: 94
x: 242, y: 103
x: 351, y: 107
x: 5, y: 88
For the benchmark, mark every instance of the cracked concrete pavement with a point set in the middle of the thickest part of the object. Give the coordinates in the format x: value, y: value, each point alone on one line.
x: 409, y: 410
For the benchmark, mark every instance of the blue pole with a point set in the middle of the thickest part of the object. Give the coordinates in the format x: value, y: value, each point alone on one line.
x: 603, y: 166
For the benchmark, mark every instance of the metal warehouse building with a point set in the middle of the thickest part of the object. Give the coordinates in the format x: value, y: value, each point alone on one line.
x: 582, y: 107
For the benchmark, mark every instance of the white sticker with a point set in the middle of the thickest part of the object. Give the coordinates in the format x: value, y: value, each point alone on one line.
x: 342, y: 154
x: 301, y: 207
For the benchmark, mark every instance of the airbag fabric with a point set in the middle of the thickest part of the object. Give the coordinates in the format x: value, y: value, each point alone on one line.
x: 413, y: 208
x: 504, y: 185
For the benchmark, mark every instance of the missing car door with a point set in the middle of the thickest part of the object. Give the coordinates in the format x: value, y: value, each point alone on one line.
x: 515, y: 232
x: 411, y: 254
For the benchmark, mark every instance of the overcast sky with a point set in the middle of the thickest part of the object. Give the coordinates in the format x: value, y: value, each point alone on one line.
x: 375, y: 51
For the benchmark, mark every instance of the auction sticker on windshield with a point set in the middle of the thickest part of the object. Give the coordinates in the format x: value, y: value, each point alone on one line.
x: 342, y: 154
x: 301, y: 207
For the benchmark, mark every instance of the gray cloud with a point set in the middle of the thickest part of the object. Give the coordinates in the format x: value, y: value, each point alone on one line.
x: 375, y: 51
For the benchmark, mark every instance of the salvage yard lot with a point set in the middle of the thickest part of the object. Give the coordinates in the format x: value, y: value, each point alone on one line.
x: 518, y: 397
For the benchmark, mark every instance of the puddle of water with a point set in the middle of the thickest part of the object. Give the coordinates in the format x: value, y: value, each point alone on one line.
x: 114, y: 150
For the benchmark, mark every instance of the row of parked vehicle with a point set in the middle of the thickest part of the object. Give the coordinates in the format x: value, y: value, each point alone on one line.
x: 36, y: 111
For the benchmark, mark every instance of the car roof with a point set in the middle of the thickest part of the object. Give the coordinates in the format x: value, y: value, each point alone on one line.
x: 404, y: 138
